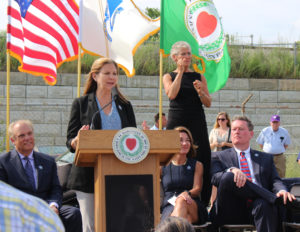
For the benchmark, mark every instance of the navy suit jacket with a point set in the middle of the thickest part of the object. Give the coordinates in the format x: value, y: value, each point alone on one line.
x: 263, y: 168
x: 48, y: 187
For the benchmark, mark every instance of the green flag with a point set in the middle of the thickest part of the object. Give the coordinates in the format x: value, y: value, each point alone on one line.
x: 197, y: 22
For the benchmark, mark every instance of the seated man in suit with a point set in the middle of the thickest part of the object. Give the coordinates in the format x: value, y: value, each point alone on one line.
x: 249, y: 188
x: 35, y: 173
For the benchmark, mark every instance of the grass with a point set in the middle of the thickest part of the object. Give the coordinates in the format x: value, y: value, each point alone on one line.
x: 277, y: 63
x: 292, y: 167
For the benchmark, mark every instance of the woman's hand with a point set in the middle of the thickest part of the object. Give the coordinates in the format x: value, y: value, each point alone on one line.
x: 181, y: 67
x: 223, y: 144
x: 185, y: 195
x: 198, y: 87
x: 216, y: 144
x: 202, y: 90
x: 75, y: 140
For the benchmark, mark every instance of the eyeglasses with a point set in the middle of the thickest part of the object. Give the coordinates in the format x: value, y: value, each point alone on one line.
x: 221, y: 119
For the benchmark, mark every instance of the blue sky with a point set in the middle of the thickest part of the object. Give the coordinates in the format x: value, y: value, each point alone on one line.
x: 269, y: 21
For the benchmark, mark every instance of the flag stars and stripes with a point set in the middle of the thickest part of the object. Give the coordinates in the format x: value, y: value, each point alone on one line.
x: 42, y: 34
x: 24, y: 5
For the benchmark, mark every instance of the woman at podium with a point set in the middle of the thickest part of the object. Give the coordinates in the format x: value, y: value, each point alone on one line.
x: 182, y: 183
x: 102, y: 107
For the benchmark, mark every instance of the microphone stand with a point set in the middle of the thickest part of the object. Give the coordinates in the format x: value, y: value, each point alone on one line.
x: 114, y: 97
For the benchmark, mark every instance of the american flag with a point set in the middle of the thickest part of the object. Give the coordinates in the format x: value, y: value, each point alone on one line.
x: 42, y: 34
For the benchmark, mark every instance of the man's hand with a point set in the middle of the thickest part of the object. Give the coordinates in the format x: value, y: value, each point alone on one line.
x: 286, y: 195
x: 240, y: 178
x: 53, y: 207
x: 145, y: 126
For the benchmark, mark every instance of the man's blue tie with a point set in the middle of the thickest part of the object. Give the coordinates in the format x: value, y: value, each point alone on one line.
x: 29, y: 172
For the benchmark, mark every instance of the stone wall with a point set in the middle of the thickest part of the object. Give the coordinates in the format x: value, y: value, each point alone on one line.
x: 48, y: 106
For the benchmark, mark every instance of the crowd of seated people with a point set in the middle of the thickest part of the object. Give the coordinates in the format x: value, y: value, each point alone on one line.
x: 249, y: 190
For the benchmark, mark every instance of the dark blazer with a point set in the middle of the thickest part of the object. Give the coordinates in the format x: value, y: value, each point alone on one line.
x: 48, y: 188
x: 82, y: 111
x: 263, y: 167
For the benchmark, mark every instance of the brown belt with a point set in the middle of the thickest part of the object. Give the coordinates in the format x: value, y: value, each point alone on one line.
x: 278, y: 154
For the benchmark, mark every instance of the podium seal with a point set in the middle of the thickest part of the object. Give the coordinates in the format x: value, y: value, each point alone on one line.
x: 130, y: 145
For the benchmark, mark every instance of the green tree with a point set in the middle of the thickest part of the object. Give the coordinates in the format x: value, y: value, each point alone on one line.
x: 153, y: 13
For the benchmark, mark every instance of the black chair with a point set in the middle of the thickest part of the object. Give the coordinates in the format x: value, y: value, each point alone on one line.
x: 202, y: 228
x: 238, y: 228
x: 292, y: 221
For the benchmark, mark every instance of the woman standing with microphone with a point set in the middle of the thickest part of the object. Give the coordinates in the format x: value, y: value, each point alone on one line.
x: 103, y: 109
x: 187, y: 91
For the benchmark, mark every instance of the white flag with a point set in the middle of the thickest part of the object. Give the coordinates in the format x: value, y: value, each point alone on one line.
x: 114, y: 29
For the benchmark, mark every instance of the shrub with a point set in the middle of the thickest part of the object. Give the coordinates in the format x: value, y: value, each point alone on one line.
x: 246, y: 62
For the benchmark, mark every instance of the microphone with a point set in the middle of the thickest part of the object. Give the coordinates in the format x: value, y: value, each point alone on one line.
x: 114, y: 95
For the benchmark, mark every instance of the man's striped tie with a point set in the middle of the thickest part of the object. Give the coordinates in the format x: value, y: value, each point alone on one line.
x: 244, y: 166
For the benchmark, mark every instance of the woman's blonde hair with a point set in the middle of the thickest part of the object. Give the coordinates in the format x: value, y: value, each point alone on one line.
x: 192, y: 151
x: 176, y: 47
x: 91, y: 84
x: 216, y: 125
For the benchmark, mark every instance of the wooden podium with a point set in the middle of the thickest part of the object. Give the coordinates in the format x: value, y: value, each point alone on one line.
x: 95, y: 150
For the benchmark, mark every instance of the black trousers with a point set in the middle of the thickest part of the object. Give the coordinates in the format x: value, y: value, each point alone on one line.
x: 71, y: 218
x: 250, y: 204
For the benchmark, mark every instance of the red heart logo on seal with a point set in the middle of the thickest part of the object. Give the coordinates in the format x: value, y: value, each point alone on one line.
x: 131, y: 143
x: 206, y: 24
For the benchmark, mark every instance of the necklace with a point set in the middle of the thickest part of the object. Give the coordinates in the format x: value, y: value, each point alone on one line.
x: 177, y: 164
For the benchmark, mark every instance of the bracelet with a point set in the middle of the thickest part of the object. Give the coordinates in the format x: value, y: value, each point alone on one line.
x: 190, y: 194
x: 201, y: 96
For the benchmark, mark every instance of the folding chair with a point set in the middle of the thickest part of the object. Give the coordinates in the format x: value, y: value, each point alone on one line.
x: 202, y: 228
x: 292, y: 222
x: 238, y: 228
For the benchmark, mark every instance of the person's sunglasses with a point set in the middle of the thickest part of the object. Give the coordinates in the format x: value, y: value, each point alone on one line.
x: 221, y: 119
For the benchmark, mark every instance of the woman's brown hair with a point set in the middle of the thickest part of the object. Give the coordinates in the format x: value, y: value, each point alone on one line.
x: 91, y: 84
x: 192, y: 151
x: 216, y: 125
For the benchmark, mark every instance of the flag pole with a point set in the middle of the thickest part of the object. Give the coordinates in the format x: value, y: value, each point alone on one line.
x: 160, y: 89
x: 79, y: 71
x: 7, y: 99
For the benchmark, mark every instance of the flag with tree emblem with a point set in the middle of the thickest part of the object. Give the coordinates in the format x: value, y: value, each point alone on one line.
x: 197, y: 22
